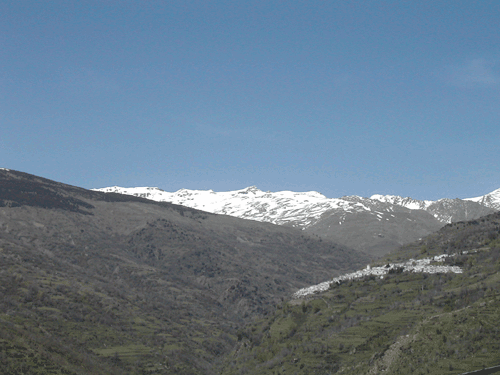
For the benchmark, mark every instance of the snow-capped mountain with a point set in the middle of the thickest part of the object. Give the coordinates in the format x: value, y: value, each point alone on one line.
x: 303, y: 209
x: 282, y: 207
x: 491, y: 200
x: 376, y: 225
x: 448, y: 210
x: 412, y: 204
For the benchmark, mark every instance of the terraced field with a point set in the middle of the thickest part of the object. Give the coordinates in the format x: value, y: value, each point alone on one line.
x: 402, y: 323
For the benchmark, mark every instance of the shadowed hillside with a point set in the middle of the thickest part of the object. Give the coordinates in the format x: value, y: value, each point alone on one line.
x: 94, y: 283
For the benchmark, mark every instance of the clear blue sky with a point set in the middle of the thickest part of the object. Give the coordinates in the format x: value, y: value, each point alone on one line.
x: 342, y: 97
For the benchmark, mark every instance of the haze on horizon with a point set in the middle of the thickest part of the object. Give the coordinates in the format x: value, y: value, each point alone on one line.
x: 343, y: 98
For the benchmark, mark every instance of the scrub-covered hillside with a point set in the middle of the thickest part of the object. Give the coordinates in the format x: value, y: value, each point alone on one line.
x: 402, y: 322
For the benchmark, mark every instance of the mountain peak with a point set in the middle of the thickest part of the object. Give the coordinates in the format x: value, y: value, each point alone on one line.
x: 250, y: 189
x: 491, y: 200
x: 408, y: 202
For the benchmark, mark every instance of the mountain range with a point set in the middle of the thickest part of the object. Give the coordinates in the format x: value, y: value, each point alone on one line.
x: 106, y: 283
x: 95, y: 283
x: 375, y: 225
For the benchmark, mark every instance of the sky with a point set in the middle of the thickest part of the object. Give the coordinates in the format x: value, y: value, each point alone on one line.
x: 340, y: 97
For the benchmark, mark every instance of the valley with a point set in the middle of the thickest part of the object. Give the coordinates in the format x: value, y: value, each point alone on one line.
x: 94, y: 283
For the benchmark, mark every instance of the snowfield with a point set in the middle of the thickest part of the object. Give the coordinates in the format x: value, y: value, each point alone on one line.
x: 490, y: 200
x: 282, y: 207
x: 298, y: 209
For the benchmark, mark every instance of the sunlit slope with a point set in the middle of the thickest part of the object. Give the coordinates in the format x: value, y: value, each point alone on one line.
x: 402, y: 323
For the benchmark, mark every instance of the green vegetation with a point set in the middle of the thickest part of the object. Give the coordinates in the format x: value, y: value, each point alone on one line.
x: 101, y: 284
x: 402, y: 323
x: 51, y: 323
x: 94, y: 283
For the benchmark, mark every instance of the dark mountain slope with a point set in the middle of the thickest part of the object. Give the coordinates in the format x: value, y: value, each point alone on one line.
x: 103, y: 283
x: 383, y: 227
x: 377, y: 232
x: 403, y: 323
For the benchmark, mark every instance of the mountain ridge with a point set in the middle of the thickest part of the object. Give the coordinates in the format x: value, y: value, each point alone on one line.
x: 128, y: 285
x: 375, y: 225
x: 490, y: 200
x: 218, y: 202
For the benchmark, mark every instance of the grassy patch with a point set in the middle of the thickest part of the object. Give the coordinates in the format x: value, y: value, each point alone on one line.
x: 402, y: 324
x: 127, y: 351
